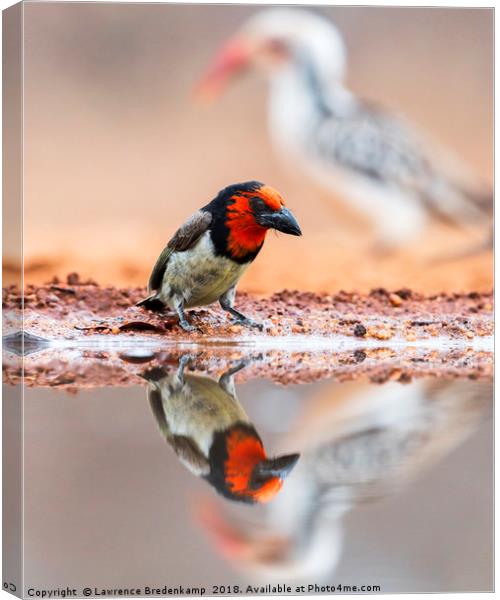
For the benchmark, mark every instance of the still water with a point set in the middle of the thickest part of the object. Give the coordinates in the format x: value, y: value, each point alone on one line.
x: 386, y: 485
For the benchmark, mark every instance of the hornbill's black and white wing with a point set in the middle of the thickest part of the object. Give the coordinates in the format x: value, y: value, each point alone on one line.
x: 383, y: 149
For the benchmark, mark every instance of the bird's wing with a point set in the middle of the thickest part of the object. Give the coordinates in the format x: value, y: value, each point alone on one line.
x: 190, y: 455
x: 374, y: 144
x: 381, y: 147
x: 183, y: 239
x: 185, y: 448
x: 156, y: 404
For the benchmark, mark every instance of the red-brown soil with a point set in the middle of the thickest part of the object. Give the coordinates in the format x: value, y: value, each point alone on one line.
x: 79, y: 309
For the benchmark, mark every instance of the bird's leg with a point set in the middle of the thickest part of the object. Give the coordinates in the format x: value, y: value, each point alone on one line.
x: 226, y: 380
x: 178, y: 381
x: 227, y: 303
x: 183, y: 322
x: 179, y: 374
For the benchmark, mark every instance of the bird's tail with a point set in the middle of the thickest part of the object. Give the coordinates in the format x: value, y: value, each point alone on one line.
x: 458, y: 204
x: 151, y: 303
x: 484, y: 200
x: 154, y: 374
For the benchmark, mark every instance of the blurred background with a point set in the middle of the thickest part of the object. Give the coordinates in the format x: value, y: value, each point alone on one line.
x: 118, y: 152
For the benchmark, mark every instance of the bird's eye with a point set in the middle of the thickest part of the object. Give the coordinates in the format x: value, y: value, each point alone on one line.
x: 257, y: 481
x: 277, y: 47
x: 257, y: 204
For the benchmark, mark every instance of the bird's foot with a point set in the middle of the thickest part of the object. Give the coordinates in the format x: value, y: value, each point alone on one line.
x: 248, y: 323
x: 184, y: 361
x: 239, y: 366
x: 188, y: 327
x: 242, y: 364
x: 240, y: 319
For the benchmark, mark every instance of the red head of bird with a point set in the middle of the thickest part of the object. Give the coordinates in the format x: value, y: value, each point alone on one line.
x: 240, y: 469
x: 242, y: 214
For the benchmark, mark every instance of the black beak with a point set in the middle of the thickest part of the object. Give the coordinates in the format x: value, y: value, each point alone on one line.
x: 281, y: 220
x: 275, y: 467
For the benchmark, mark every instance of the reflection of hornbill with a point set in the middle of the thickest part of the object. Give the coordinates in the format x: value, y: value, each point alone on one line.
x: 361, y: 448
x: 209, y: 431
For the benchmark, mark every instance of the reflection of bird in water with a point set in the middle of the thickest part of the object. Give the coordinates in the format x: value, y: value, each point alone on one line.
x: 360, y: 448
x: 210, y: 432
x: 374, y: 159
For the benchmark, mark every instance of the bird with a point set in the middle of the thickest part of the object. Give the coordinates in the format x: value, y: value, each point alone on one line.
x: 211, y: 434
x: 373, y: 158
x: 361, y: 446
x: 207, y: 256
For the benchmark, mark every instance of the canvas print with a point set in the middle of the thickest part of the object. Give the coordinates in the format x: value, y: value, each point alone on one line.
x: 247, y: 299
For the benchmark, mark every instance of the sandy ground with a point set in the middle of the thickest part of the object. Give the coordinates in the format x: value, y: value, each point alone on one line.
x: 81, y: 334
x: 78, y: 309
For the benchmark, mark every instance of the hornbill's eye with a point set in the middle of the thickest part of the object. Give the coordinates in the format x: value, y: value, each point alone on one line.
x: 277, y: 47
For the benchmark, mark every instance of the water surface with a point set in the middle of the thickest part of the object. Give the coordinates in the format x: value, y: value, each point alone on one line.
x: 393, y: 487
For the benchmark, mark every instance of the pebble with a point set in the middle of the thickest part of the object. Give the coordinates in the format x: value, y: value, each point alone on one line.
x: 380, y: 334
x: 395, y: 300
x: 359, y: 330
x: 235, y: 328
